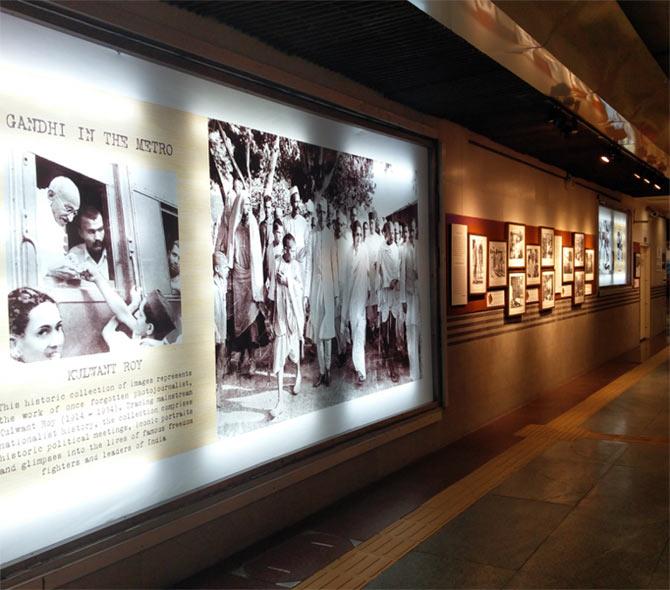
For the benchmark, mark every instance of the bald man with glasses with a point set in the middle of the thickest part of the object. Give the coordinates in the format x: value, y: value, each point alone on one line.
x: 56, y: 206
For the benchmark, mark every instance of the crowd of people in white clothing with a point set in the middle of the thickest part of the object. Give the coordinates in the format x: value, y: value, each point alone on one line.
x: 314, y: 281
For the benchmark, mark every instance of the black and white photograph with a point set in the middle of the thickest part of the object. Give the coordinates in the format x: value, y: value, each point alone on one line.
x: 315, y: 276
x: 605, y: 242
x: 547, y: 246
x: 547, y: 290
x: 497, y: 264
x: 516, y: 243
x: 578, y: 290
x: 516, y: 294
x: 532, y: 265
x: 75, y: 285
x: 568, y: 264
x: 589, y: 264
x: 477, y: 249
x: 619, y: 233
x: 578, y: 244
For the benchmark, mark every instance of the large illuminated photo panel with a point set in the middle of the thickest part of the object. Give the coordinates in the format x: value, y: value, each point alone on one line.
x: 315, y: 276
x: 195, y: 282
x: 612, y: 247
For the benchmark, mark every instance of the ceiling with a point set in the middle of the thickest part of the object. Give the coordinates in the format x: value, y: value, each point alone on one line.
x: 402, y: 53
x: 651, y: 20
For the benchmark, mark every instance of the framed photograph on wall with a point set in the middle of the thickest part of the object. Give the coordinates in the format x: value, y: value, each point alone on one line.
x: 497, y: 264
x: 589, y: 264
x: 547, y: 290
x: 578, y: 290
x: 516, y: 294
x: 532, y: 265
x: 477, y: 268
x: 547, y: 246
x: 516, y: 244
x: 532, y: 295
x: 578, y: 244
x: 568, y: 264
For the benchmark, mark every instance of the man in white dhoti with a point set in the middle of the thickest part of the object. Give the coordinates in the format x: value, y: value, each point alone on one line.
x: 411, y: 307
x: 324, y: 293
x: 373, y: 244
x: 344, y: 247
x: 389, y: 266
x: 288, y: 316
x: 355, y: 296
x: 246, y: 261
x: 220, y: 264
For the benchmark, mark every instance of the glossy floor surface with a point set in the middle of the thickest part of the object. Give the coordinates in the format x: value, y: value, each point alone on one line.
x: 590, y: 511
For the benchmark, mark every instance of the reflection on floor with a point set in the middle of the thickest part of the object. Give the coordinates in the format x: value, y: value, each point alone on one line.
x: 591, y: 512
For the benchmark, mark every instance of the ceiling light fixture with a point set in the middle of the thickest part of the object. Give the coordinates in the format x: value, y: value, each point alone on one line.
x: 636, y: 175
x: 658, y: 188
x: 646, y: 180
x: 605, y: 159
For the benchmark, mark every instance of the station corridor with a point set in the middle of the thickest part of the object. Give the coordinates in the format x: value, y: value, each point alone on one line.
x: 570, y: 491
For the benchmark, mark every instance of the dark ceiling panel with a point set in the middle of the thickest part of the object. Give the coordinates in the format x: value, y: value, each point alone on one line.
x: 399, y: 51
x: 651, y: 21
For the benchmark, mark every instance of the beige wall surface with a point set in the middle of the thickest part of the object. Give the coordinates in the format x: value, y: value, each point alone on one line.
x: 501, y: 369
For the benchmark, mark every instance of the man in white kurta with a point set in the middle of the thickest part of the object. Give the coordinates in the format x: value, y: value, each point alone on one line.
x: 373, y: 243
x: 344, y: 245
x: 355, y: 297
x: 220, y: 264
x: 410, y: 287
x: 296, y: 225
x: 324, y: 292
x: 389, y: 267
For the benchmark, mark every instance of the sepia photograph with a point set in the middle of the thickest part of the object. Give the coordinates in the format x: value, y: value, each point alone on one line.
x: 477, y: 262
x: 532, y: 265
x: 516, y: 242
x: 497, y: 264
x: 547, y: 290
x: 589, y: 264
x: 547, y: 246
x: 578, y: 244
x: 75, y: 286
x: 516, y: 294
x: 315, y: 276
x: 568, y: 264
x: 578, y: 288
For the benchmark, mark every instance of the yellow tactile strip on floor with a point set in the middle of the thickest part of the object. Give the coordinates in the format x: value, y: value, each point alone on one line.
x: 365, y: 562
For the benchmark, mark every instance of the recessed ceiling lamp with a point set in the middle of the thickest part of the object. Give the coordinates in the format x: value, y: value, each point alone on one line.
x: 605, y: 159
x: 646, y: 180
x: 636, y: 175
x: 658, y: 188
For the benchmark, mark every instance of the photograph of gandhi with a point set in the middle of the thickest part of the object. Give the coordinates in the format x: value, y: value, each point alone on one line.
x: 315, y: 277
x: 75, y: 285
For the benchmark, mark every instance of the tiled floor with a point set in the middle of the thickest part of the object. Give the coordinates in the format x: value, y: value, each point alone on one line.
x: 584, y: 514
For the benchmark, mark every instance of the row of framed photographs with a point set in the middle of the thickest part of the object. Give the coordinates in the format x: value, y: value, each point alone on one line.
x: 518, y: 295
x: 490, y: 261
